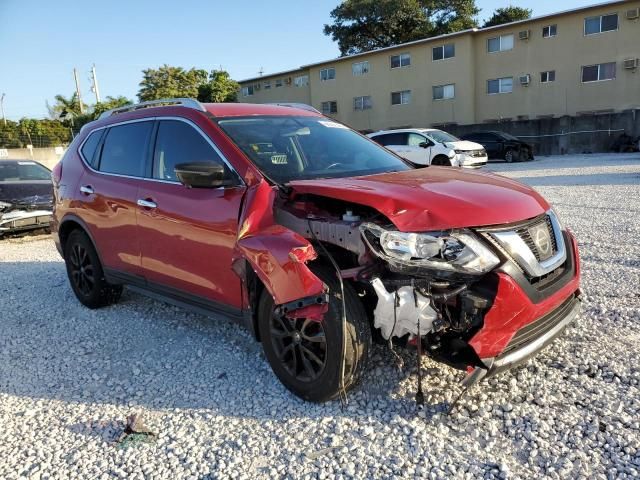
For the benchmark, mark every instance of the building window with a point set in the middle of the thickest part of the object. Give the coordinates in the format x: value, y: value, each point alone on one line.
x: 500, y: 44
x: 247, y: 91
x: 597, y: 73
x: 601, y: 23
x: 301, y: 81
x: 278, y: 82
x: 548, y: 76
x: 362, y: 103
x: 549, y: 31
x: 360, y: 68
x: 500, y: 85
x: 327, y: 74
x: 443, y: 51
x: 329, y: 107
x: 444, y: 92
x: 267, y: 85
x: 401, y: 98
x: 402, y: 60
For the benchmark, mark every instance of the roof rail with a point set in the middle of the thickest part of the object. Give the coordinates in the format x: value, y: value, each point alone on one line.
x: 184, y: 102
x: 301, y: 106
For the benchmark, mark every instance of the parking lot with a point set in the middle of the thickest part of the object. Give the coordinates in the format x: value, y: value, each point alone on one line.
x: 69, y: 376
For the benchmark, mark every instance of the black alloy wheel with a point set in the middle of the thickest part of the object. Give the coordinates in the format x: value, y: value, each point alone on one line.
x: 300, y: 345
x: 81, y: 269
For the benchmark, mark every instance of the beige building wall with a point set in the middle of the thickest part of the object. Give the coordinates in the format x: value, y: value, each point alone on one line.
x: 288, y: 92
x: 469, y: 71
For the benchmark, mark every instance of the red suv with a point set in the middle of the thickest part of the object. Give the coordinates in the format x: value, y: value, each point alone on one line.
x: 316, y: 238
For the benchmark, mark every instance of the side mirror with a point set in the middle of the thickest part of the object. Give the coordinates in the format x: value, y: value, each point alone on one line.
x: 426, y: 144
x: 202, y: 175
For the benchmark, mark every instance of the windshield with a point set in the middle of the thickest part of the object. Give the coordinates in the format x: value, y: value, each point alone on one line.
x: 507, y: 136
x: 296, y: 148
x: 440, y: 136
x: 23, y: 172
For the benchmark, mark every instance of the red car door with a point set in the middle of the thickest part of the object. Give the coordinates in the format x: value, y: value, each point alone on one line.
x: 187, y: 235
x: 109, y: 191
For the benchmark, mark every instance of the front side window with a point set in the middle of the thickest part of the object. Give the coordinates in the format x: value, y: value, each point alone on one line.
x: 178, y: 142
x: 124, y: 149
x: 442, y: 52
x: 549, y: 31
x: 247, y: 91
x: 327, y: 74
x: 549, y: 76
x: 23, y: 171
x: 401, y: 98
x: 362, y: 103
x: 500, y: 44
x: 360, y: 68
x: 500, y: 85
x: 400, y: 61
x: 601, y: 23
x: 596, y: 73
x: 329, y: 107
x: 415, y: 139
x: 287, y: 148
x: 439, y: 136
x: 301, y: 81
x: 444, y: 92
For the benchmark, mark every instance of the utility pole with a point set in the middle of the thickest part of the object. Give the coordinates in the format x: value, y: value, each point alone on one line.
x: 4, y: 120
x: 94, y: 79
x: 75, y: 76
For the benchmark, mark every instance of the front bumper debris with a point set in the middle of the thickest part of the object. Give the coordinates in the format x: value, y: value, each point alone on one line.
x: 21, y: 220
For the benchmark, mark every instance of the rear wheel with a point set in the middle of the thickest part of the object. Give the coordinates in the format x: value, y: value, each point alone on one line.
x: 306, y: 354
x: 441, y: 160
x: 85, y: 273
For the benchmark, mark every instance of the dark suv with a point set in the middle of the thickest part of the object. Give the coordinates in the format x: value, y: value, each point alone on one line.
x: 502, y: 145
x: 314, y: 237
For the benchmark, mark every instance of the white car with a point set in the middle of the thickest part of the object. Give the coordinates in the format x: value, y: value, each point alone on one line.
x: 429, y: 146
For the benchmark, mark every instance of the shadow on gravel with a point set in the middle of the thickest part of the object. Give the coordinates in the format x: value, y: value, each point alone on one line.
x: 144, y: 353
x: 555, y: 162
x: 599, y: 179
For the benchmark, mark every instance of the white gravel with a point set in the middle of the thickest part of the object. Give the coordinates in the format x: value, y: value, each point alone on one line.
x: 70, y: 376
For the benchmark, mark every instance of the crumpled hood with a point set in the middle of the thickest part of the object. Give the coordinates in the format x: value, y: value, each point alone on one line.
x: 434, y: 198
x: 465, y: 145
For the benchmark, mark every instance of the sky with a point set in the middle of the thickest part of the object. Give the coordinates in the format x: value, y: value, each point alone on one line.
x: 42, y: 41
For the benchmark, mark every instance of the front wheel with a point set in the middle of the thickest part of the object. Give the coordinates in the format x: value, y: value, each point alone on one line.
x: 306, y: 354
x: 441, y: 160
x: 85, y: 273
x: 511, y: 156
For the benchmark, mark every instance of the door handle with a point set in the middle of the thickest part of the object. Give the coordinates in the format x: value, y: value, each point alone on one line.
x: 86, y: 189
x: 146, y: 203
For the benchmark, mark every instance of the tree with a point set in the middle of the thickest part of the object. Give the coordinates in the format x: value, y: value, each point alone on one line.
x: 220, y: 88
x: 363, y: 25
x: 109, y: 103
x: 170, y: 82
x: 65, y: 108
x: 508, y: 14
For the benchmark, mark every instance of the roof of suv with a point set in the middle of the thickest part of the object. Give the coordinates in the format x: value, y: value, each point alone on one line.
x: 247, y: 109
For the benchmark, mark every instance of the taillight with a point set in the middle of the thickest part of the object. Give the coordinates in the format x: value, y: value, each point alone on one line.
x: 56, y: 173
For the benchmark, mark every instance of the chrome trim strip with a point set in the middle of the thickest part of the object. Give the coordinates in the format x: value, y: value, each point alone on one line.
x: 183, y: 102
x: 539, y: 342
x: 522, y: 254
x: 153, y: 119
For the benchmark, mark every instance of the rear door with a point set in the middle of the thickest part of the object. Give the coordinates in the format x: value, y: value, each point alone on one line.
x: 187, y: 235
x: 109, y: 191
x: 417, y: 153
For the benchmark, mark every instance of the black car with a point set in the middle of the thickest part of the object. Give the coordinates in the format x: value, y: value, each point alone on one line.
x: 26, y: 196
x: 502, y: 145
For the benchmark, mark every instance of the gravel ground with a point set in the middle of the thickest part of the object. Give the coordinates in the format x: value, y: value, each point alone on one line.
x: 70, y: 376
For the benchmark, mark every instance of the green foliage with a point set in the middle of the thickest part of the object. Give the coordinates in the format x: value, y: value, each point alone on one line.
x: 508, y: 14
x: 363, y: 25
x: 65, y: 108
x: 29, y: 131
x: 170, y: 82
x: 109, y: 103
x: 220, y: 88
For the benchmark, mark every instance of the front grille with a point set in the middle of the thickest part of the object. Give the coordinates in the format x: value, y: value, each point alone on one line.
x: 539, y: 327
x: 523, y: 232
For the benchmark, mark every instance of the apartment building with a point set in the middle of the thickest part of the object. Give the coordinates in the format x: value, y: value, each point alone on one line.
x: 576, y: 62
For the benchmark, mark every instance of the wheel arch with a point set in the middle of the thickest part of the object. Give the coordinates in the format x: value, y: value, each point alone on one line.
x: 70, y: 223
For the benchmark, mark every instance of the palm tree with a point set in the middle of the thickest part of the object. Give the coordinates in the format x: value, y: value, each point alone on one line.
x: 65, y: 108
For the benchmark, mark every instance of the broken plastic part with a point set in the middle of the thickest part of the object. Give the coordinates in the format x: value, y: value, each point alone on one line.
x: 408, y: 309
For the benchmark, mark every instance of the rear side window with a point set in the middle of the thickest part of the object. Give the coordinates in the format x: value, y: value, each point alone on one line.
x: 178, y: 142
x: 90, y: 145
x: 392, y: 139
x: 125, y: 147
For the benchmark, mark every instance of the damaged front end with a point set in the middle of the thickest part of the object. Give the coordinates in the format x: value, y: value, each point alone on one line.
x: 25, y: 214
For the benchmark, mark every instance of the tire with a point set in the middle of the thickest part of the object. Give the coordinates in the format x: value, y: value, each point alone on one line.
x: 441, y: 160
x: 85, y: 273
x: 324, y: 383
x: 511, y: 156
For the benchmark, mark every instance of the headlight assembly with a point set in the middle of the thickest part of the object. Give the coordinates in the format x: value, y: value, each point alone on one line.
x: 455, y: 251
